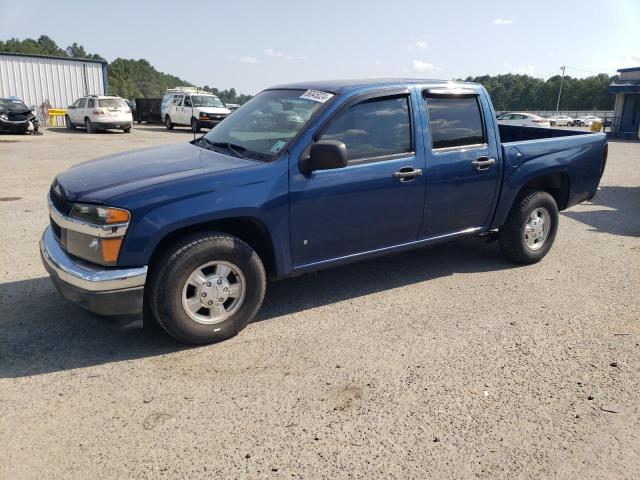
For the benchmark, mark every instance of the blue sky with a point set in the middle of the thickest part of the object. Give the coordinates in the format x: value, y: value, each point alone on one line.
x: 252, y: 45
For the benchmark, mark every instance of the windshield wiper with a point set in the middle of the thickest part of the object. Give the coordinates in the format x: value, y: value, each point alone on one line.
x: 229, y: 146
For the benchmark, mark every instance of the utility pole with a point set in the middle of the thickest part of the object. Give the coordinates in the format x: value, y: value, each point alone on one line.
x: 560, y: 91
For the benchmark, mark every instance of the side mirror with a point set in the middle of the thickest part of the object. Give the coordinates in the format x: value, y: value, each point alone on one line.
x: 325, y: 155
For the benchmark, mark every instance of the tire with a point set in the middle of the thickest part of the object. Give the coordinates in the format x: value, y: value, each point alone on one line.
x: 168, y: 123
x: 517, y: 242
x: 170, y: 290
x: 127, y: 129
x: 553, y: 124
x: 69, y: 123
x: 195, y: 126
x: 88, y: 126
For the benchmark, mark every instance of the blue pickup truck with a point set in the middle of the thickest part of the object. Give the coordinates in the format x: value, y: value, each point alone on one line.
x: 303, y: 177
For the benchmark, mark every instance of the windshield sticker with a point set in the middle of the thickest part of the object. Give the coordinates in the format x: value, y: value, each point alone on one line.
x: 278, y: 146
x: 316, y: 95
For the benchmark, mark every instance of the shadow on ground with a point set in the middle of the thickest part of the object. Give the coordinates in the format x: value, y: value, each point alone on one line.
x: 82, y: 131
x: 42, y: 333
x: 621, y: 217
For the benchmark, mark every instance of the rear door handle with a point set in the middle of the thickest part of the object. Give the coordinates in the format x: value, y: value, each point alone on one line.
x: 407, y: 174
x: 483, y: 163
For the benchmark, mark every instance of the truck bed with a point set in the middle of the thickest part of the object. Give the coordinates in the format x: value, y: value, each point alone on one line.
x: 519, y: 133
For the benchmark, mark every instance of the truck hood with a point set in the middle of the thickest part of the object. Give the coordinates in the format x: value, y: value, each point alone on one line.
x: 98, y: 180
x: 214, y: 110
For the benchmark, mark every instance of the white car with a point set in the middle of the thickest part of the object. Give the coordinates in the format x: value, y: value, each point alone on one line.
x: 99, y: 112
x: 523, y: 118
x: 587, y: 120
x: 560, y: 120
x: 195, y: 109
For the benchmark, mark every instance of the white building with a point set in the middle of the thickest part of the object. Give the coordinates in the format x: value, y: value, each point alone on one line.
x: 36, y: 78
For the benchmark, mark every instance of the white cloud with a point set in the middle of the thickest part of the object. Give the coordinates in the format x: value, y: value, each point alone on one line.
x: 249, y: 60
x: 378, y: 62
x: 270, y: 52
x: 503, y: 21
x: 419, y: 45
x: 422, y: 66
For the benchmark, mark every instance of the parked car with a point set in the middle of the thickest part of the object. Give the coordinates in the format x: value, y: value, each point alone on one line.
x: 16, y: 117
x: 99, y: 112
x: 232, y: 106
x: 524, y: 119
x: 587, y: 120
x: 189, y: 233
x: 195, y: 109
x: 560, y: 121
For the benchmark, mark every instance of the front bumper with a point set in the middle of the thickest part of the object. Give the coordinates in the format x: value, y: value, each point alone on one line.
x: 208, y: 123
x: 101, y: 290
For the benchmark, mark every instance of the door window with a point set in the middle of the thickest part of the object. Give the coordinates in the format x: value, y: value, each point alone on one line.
x: 83, y: 103
x: 455, y: 121
x: 91, y: 103
x: 187, y: 101
x: 373, y: 129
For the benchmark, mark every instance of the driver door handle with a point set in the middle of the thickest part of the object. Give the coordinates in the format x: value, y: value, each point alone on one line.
x: 407, y: 174
x: 483, y: 163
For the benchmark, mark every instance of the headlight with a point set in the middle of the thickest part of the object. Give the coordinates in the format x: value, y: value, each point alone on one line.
x: 4, y: 116
x: 97, y: 235
x: 98, y: 215
x: 204, y: 115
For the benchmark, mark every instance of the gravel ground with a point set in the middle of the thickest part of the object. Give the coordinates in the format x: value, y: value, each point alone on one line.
x: 446, y: 362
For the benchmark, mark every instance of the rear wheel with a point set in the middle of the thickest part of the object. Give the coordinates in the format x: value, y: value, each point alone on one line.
x: 531, y: 227
x: 207, y: 288
x: 127, y: 129
x: 195, y: 126
x: 88, y: 126
x: 168, y: 123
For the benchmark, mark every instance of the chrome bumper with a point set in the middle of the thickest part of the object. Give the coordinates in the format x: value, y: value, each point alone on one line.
x: 106, y: 291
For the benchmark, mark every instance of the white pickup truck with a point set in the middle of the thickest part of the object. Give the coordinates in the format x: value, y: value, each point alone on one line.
x: 193, y: 108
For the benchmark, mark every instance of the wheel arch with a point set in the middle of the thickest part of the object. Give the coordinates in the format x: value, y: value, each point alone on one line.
x: 250, y: 230
x: 557, y: 183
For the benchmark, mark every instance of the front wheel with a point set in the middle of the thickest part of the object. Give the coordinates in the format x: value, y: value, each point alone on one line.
x: 207, y: 288
x: 68, y: 123
x: 168, y: 122
x: 531, y: 227
x: 127, y: 129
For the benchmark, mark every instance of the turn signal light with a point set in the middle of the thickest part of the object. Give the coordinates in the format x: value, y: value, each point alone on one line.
x: 115, y: 215
x: 110, y: 249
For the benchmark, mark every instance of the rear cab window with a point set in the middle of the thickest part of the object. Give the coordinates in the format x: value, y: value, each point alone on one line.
x: 455, y: 120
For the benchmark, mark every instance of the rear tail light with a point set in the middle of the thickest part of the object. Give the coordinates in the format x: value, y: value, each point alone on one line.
x: 98, y: 112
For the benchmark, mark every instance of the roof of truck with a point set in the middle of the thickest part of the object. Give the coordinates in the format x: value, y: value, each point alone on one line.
x: 337, y: 86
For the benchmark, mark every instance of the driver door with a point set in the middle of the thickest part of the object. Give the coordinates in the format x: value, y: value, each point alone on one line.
x: 366, y: 205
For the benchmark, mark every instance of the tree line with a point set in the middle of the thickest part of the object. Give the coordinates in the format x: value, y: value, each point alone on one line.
x: 523, y: 92
x: 128, y: 78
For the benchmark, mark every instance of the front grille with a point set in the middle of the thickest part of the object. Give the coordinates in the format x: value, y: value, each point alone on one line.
x: 57, y: 231
x: 62, y: 205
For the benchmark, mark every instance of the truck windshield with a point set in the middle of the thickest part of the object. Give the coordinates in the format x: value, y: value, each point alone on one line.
x: 206, y: 101
x: 265, y: 125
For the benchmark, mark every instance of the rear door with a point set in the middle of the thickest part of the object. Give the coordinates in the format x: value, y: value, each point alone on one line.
x: 463, y: 163
x: 366, y: 205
